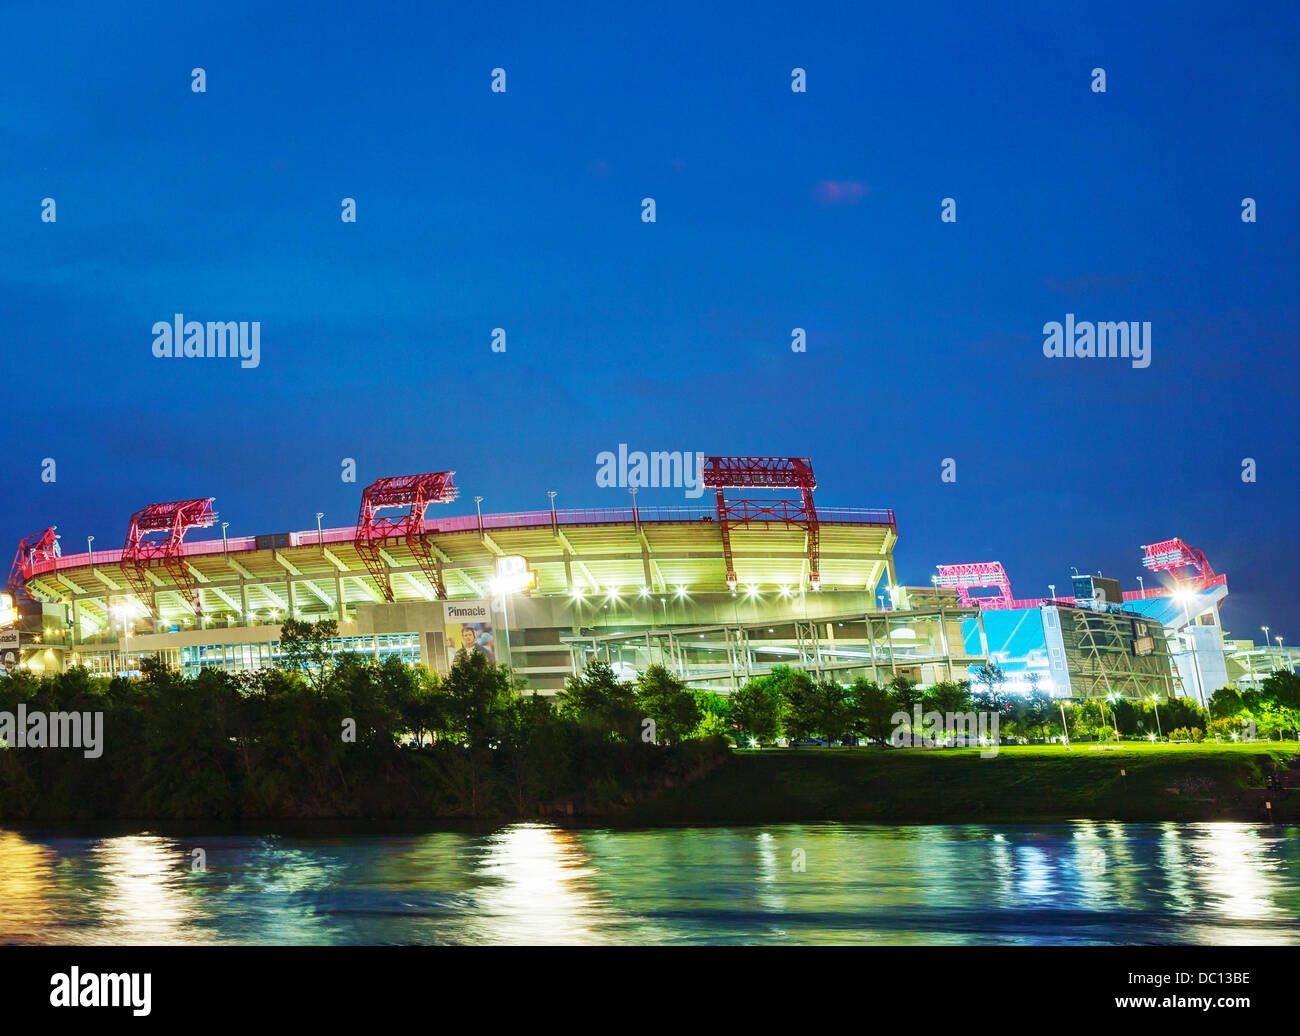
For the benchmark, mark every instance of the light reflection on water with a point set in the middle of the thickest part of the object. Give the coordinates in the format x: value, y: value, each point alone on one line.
x: 1076, y: 883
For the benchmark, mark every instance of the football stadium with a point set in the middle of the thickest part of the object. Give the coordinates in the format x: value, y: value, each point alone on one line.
x: 761, y: 577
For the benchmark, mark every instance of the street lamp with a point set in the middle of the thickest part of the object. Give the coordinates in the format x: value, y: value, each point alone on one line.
x: 1052, y: 588
x: 551, y: 494
x: 90, y: 553
x: 225, y: 544
x: 1142, y: 584
x: 1156, y: 702
x: 479, y: 510
x: 320, y: 536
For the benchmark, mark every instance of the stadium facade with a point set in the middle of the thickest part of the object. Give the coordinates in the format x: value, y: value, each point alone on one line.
x: 717, y: 594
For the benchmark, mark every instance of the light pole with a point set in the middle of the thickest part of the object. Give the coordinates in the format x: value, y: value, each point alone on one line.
x: 320, y: 536
x: 1065, y: 732
x: 479, y: 510
x: 1101, y: 704
x: 90, y: 553
x: 1142, y: 585
x: 1156, y: 702
x: 1266, y: 637
x: 554, y: 517
x: 1052, y: 588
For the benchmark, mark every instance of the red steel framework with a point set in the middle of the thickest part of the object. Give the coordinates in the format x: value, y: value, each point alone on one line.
x: 415, y: 493
x: 976, y: 575
x: 41, y: 546
x: 1166, y: 556
x: 139, y: 554
x: 722, y: 473
x: 1173, y: 555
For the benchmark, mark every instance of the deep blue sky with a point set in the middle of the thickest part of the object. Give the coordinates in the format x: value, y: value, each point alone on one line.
x: 522, y: 211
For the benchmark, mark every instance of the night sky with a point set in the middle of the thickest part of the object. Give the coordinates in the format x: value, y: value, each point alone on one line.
x: 775, y: 210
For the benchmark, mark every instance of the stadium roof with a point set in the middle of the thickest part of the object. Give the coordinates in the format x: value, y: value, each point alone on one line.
x: 570, y: 551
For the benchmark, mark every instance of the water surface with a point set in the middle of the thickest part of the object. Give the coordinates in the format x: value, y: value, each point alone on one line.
x: 1078, y: 883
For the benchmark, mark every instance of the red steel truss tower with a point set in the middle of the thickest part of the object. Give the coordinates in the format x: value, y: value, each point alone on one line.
x: 41, y: 546
x: 978, y: 574
x: 415, y: 493
x: 139, y: 555
x: 721, y: 473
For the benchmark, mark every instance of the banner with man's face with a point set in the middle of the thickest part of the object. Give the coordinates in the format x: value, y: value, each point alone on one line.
x: 9, y: 653
x: 467, y: 626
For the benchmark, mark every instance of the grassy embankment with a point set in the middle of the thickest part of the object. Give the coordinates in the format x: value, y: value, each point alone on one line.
x: 1026, y: 783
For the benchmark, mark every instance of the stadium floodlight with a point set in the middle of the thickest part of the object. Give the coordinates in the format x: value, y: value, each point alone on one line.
x: 645, y: 591
x: 785, y: 591
x: 751, y: 592
x: 681, y: 592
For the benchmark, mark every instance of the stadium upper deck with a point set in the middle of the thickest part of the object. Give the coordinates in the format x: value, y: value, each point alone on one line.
x: 572, y: 551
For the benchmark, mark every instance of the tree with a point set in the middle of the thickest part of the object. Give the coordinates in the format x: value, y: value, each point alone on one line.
x: 906, y: 692
x: 601, y: 703
x: 992, y: 676
x: 948, y: 697
x: 305, y: 647
x: 873, y: 709
x: 1226, y: 703
x: 756, y: 711
x: 1279, y: 699
x: 477, y: 698
x: 661, y: 696
x: 830, y: 711
x: 796, y: 692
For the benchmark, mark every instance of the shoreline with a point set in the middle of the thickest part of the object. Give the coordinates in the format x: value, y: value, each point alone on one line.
x: 1124, y: 783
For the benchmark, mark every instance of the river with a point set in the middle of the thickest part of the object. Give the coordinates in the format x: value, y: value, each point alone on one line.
x: 1074, y: 884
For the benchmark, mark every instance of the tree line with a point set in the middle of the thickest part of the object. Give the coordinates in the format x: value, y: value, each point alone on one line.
x: 343, y: 736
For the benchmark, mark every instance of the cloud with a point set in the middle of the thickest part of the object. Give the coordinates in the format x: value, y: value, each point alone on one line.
x: 839, y: 192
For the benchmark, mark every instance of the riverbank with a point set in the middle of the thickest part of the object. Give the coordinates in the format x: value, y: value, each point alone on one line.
x: 1129, y: 782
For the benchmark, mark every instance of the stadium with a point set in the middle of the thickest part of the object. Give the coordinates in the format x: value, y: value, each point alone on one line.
x: 717, y: 594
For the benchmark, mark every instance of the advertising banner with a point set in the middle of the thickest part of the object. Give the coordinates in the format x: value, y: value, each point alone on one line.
x: 468, y: 628
x: 9, y: 654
